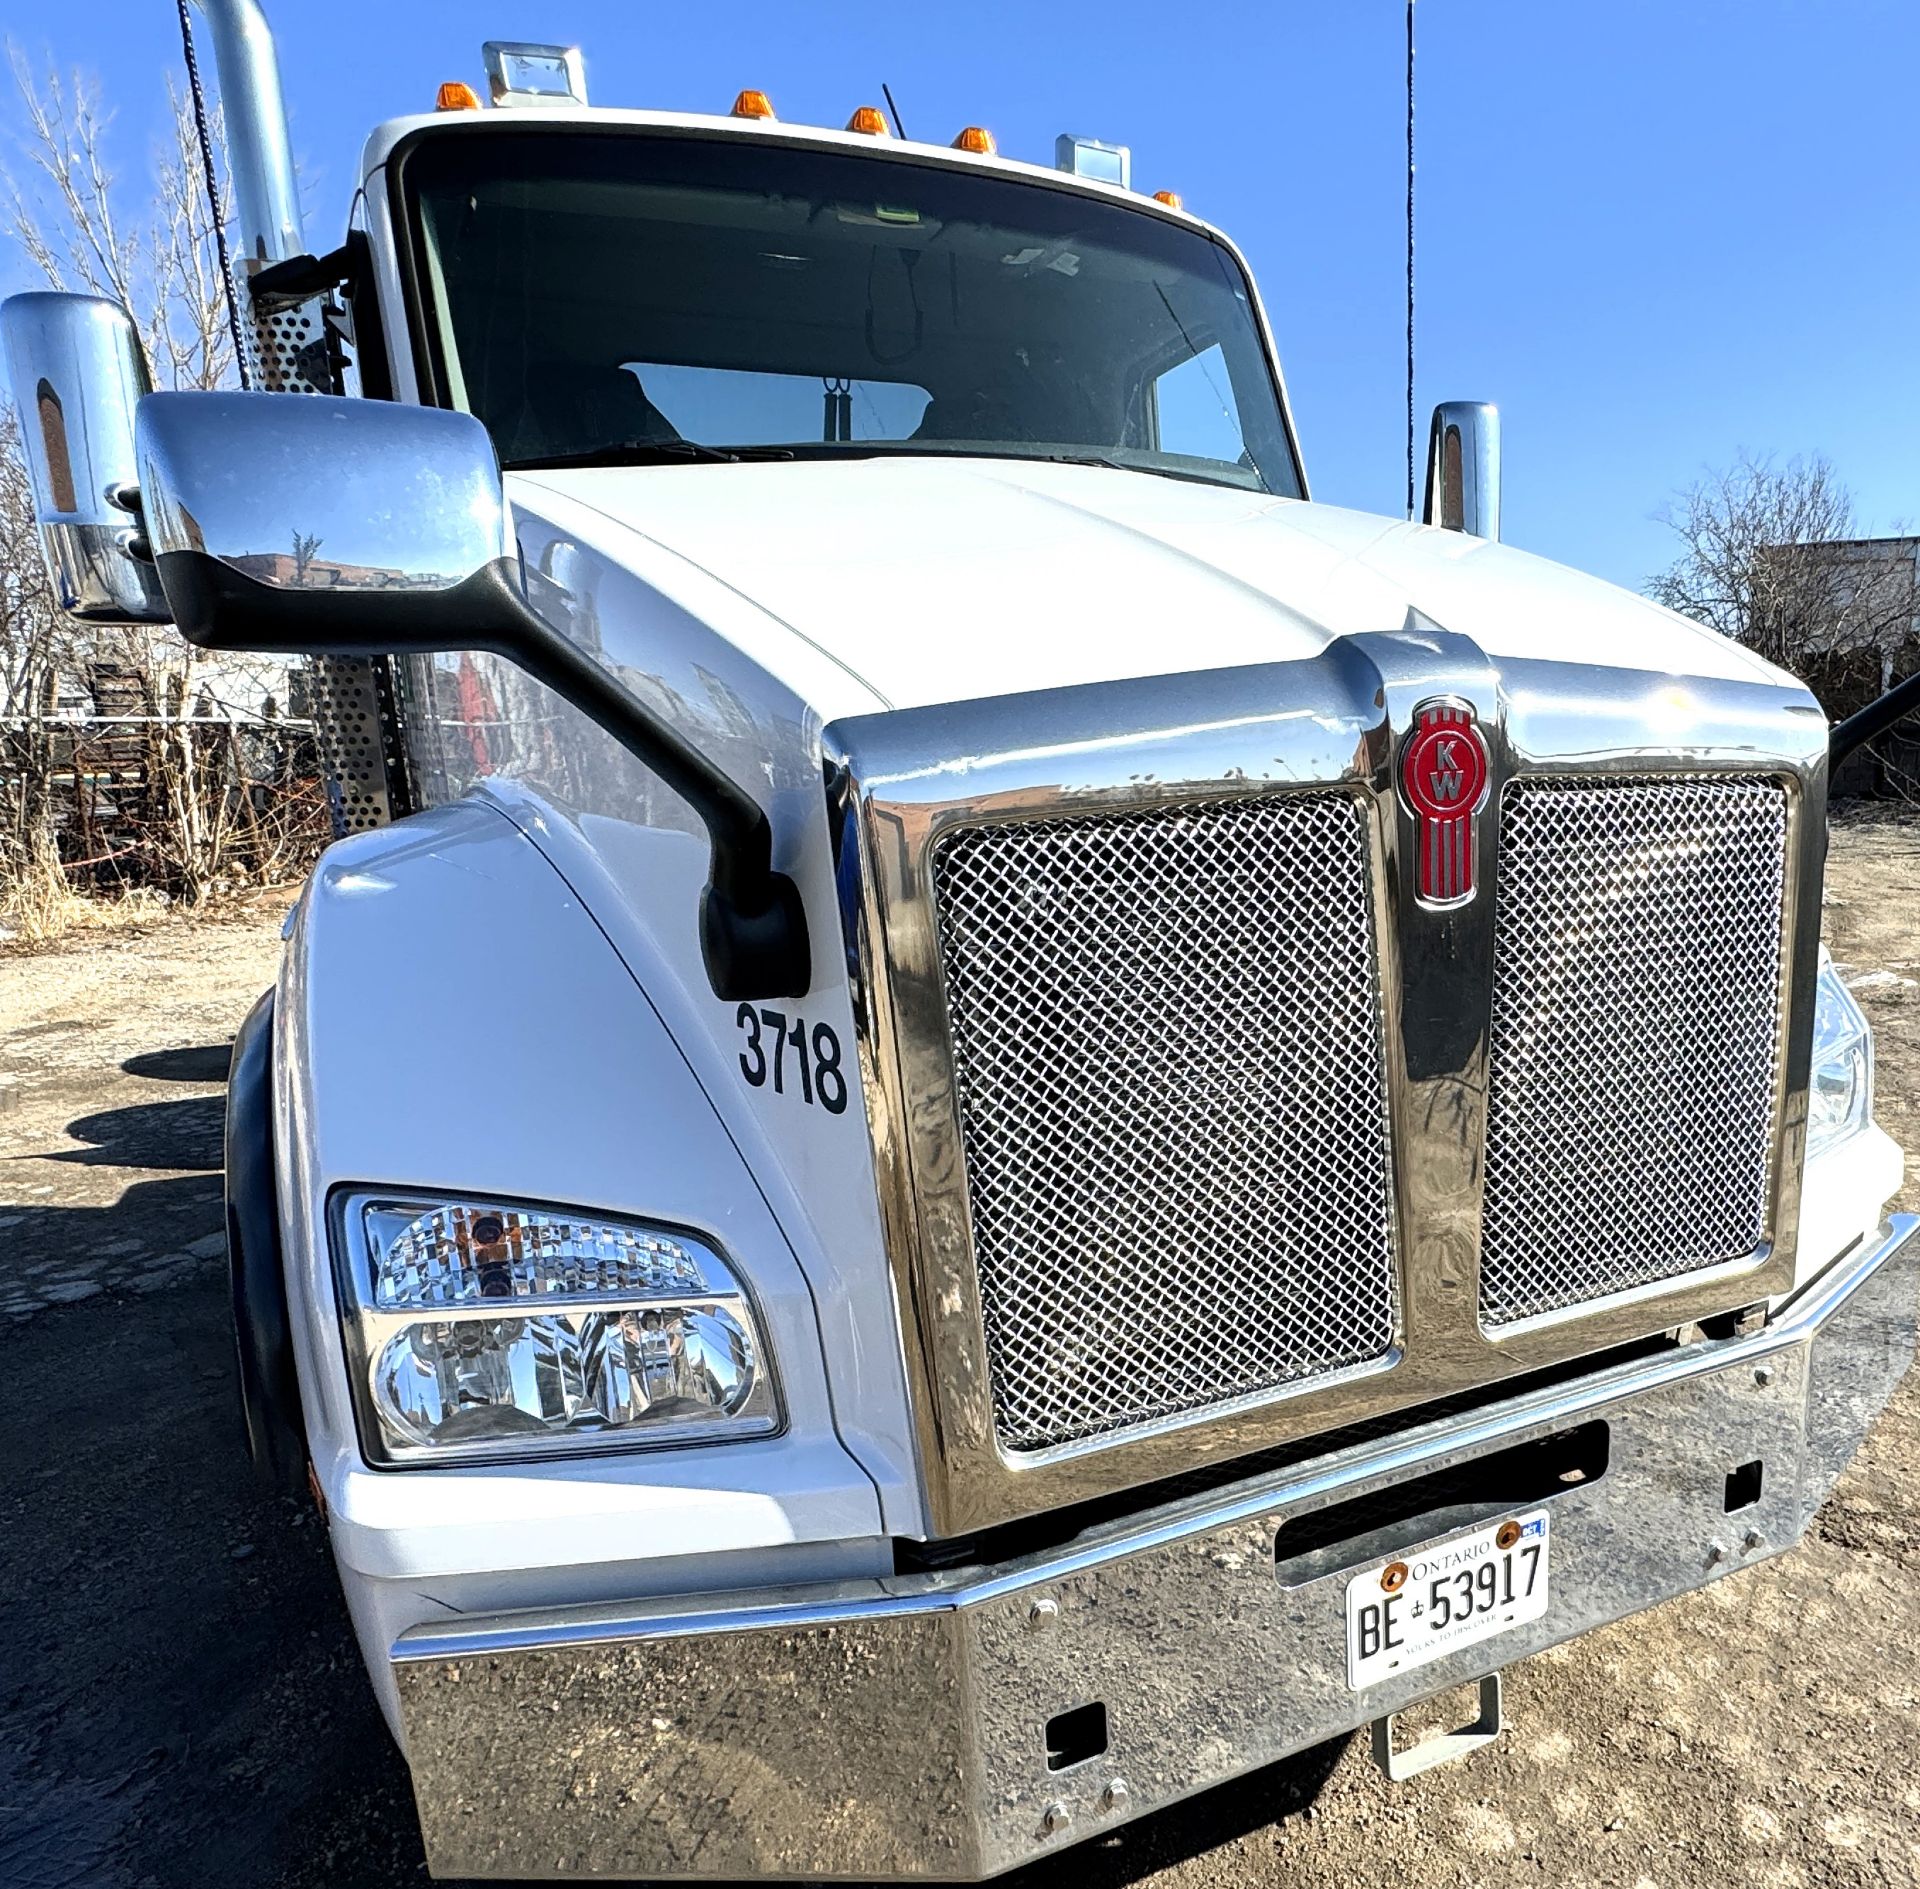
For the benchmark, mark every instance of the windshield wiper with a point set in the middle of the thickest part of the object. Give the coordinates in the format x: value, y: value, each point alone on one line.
x: 1190, y: 476
x: 988, y: 449
x: 643, y: 452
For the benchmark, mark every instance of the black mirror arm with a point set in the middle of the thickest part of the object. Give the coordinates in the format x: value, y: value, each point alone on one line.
x: 1875, y: 719
x: 753, y: 926
x: 301, y: 275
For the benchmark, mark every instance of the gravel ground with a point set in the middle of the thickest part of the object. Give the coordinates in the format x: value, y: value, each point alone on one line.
x: 181, y: 1702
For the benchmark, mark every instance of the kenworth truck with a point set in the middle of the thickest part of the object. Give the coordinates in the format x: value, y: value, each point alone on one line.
x: 982, y: 1120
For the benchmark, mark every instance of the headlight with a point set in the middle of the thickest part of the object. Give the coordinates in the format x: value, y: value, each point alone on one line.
x: 477, y: 1329
x: 1840, y: 1092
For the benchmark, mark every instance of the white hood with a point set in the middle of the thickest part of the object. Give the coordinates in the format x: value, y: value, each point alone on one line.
x: 938, y: 580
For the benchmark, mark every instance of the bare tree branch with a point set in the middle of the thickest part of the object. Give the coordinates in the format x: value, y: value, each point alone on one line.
x: 68, y: 219
x: 1771, y: 556
x: 186, y: 803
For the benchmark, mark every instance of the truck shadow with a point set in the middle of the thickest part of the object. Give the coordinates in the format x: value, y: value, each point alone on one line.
x: 181, y: 1680
x: 109, y: 1235
x: 151, y: 1221
x: 172, y: 1135
x: 206, y: 1062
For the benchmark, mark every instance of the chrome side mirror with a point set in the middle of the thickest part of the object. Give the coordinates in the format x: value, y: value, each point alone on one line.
x: 309, y: 524
x: 1463, y: 468
x: 304, y: 524
x: 77, y: 370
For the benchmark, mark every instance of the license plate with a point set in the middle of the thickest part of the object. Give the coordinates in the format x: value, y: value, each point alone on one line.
x: 1407, y: 1613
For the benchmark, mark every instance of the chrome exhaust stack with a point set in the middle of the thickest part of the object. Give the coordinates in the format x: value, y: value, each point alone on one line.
x: 266, y: 194
x: 290, y: 349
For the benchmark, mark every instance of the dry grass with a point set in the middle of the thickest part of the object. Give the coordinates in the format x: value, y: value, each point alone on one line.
x: 39, y: 905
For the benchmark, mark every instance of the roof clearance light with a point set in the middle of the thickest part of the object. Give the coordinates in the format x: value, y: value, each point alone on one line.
x: 1171, y: 198
x: 1088, y: 157
x: 752, y: 104
x: 870, y: 120
x: 457, y: 96
x: 519, y: 74
x: 977, y: 139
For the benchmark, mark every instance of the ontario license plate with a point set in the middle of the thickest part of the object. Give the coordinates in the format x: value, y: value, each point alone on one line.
x: 1407, y: 1613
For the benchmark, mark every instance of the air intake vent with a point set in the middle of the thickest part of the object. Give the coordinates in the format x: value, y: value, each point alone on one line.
x: 1636, y: 1018
x: 1167, y: 1038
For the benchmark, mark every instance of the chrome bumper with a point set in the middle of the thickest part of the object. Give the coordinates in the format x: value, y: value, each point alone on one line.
x: 899, y: 1728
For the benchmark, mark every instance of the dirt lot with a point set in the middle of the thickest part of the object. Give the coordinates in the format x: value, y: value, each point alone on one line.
x: 181, y: 1703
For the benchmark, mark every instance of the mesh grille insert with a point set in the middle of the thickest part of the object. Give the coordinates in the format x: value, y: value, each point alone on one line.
x: 1167, y: 1040
x: 1636, y: 1006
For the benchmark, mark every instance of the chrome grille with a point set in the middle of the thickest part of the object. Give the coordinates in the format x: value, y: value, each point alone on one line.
x: 1167, y: 1039
x: 1636, y: 1012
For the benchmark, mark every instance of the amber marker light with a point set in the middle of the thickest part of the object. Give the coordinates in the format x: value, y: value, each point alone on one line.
x: 752, y: 104
x: 456, y: 95
x: 977, y: 139
x: 870, y: 121
x: 1171, y: 198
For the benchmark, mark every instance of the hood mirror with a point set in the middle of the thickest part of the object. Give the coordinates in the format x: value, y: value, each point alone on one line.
x: 305, y: 524
x: 77, y: 372
x: 1463, y: 468
x: 309, y: 524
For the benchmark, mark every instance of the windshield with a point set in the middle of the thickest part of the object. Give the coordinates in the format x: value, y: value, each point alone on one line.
x: 604, y: 298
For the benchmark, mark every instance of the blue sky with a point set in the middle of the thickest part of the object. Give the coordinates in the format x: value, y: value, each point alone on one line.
x: 1655, y: 231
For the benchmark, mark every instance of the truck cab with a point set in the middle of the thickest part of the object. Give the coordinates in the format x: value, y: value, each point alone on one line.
x: 982, y: 1119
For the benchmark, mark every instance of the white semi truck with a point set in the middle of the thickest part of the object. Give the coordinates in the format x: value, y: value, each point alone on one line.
x: 983, y: 1120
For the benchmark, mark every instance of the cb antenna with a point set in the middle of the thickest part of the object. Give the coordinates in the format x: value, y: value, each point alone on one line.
x: 216, y: 212
x: 1411, y: 486
x: 886, y: 92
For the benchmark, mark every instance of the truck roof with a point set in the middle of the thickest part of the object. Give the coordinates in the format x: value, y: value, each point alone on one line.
x: 386, y: 137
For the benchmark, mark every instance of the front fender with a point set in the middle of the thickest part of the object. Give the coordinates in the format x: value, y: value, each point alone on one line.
x: 450, y: 1017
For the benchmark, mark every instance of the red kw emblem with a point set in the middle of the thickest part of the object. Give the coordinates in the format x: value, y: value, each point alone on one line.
x: 1443, y: 774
